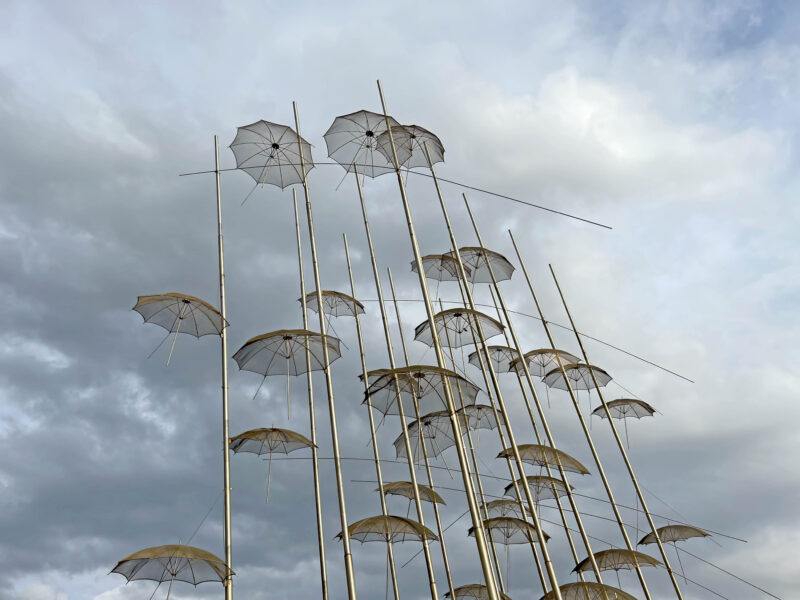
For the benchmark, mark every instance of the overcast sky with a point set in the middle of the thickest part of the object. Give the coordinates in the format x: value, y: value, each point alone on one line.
x: 673, y: 122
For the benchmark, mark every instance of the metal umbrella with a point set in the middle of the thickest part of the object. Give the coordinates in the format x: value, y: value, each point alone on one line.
x: 458, y: 326
x: 545, y: 456
x: 617, y: 560
x: 283, y: 352
x: 588, y: 590
x: 180, y: 313
x: 542, y: 487
x: 267, y: 440
x: 674, y: 533
x: 478, y: 260
x: 270, y: 153
x: 173, y: 562
x: 435, y: 428
x: 406, y: 489
x: 502, y: 358
x: 475, y: 591
x: 542, y: 361
x: 389, y: 529
x: 579, y: 375
x: 439, y: 267
x: 504, y: 508
x: 334, y: 304
x: 624, y: 408
x: 352, y: 139
x: 509, y: 530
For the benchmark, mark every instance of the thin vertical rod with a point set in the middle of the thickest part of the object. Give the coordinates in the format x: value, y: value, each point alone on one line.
x: 587, y: 434
x: 401, y: 410
x: 620, y: 445
x: 474, y: 511
x: 312, y: 418
x: 424, y: 447
x: 551, y: 574
x: 524, y: 364
x: 348, y: 558
x: 226, y: 458
x: 375, y: 452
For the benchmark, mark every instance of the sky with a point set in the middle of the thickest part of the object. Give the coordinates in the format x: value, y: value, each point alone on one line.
x: 675, y: 123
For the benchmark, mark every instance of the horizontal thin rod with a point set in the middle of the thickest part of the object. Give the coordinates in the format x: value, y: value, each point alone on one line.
x: 598, y: 340
x: 450, y: 181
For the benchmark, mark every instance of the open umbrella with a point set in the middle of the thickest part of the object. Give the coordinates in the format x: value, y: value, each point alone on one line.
x: 406, y: 489
x: 180, y: 313
x: 418, y: 138
x: 353, y: 139
x: 389, y: 529
x: 625, y: 408
x: 270, y: 153
x: 617, y: 560
x: 579, y: 376
x: 502, y: 358
x: 439, y: 267
x: 509, y: 530
x: 479, y: 259
x: 542, y: 487
x: 588, y: 590
x: 543, y: 360
x: 457, y: 326
x: 475, y: 591
x: 674, y: 533
x: 545, y: 456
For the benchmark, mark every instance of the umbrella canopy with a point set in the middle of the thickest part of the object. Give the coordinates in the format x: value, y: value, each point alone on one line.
x: 504, y: 508
x: 440, y: 267
x: 388, y: 529
x: 181, y: 313
x: 545, y: 456
x: 616, y: 560
x: 437, y: 431
x: 283, y: 352
x: 353, y: 139
x: 457, y: 326
x: 473, y: 590
x: 542, y: 361
x: 588, y: 590
x: 269, y: 439
x: 424, y: 383
x: 479, y: 416
x: 174, y: 562
x: 542, y: 487
x: 502, y: 358
x: 509, y: 530
x: 622, y: 408
x: 479, y: 259
x: 579, y: 375
x: 421, y: 137
x: 406, y: 489
x: 334, y: 304
x: 674, y: 533
x: 270, y: 153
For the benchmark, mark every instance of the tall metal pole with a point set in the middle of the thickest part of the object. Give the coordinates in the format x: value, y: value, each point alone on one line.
x: 226, y: 458
x: 620, y: 445
x: 551, y: 574
x: 474, y: 511
x: 400, y: 409
x: 348, y: 558
x: 524, y: 365
x: 375, y: 452
x: 424, y: 448
x: 323, y: 569
x: 587, y: 434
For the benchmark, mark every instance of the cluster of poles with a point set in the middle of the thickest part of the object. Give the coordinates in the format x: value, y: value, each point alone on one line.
x: 436, y: 406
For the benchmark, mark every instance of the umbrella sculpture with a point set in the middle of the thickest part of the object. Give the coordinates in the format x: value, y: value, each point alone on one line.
x: 437, y: 431
x: 406, y: 489
x: 542, y: 361
x: 623, y: 408
x: 173, y: 562
x: 270, y: 153
x: 418, y: 138
x: 180, y: 313
x: 579, y: 377
x: 502, y: 358
x: 542, y: 487
x: 507, y: 531
x: 389, y: 529
x: 352, y: 139
x: 479, y: 416
x: 480, y: 259
x: 458, y: 326
x: 504, y: 508
x: 421, y: 383
x: 545, y: 456
x: 439, y: 267
x: 674, y: 533
x: 334, y: 304
x: 617, y: 559
x: 475, y: 591
x: 283, y: 352
x: 268, y: 440
x: 588, y: 590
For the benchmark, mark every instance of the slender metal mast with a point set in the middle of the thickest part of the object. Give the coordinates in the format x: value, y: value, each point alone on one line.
x: 587, y: 434
x: 375, y: 452
x: 474, y: 511
x: 400, y: 409
x: 620, y: 445
x: 323, y: 569
x: 348, y: 558
x: 551, y: 575
x: 226, y: 458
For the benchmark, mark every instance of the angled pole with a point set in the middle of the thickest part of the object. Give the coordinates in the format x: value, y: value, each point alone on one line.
x: 424, y: 447
x: 620, y: 445
x: 348, y: 558
x: 587, y: 434
x: 551, y: 574
x: 375, y: 452
x: 404, y: 427
x: 323, y: 569
x: 474, y: 511
x: 226, y: 458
